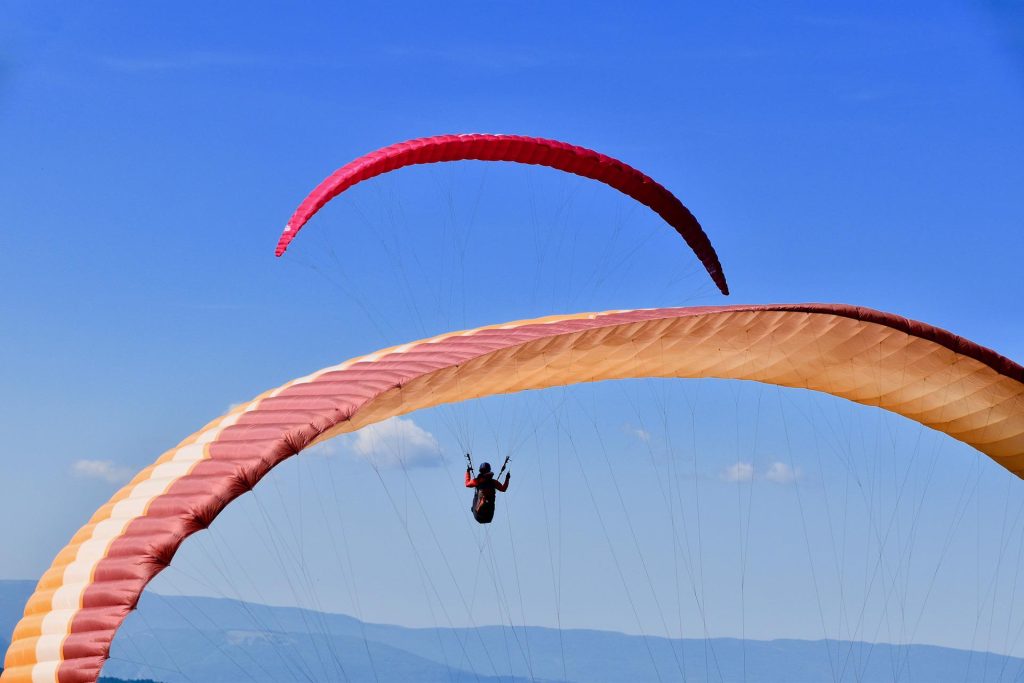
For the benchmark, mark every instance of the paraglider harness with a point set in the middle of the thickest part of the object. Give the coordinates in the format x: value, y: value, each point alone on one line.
x: 483, y: 498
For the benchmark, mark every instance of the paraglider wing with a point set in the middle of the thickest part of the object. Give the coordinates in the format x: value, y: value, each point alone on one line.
x: 936, y: 378
x: 525, y: 150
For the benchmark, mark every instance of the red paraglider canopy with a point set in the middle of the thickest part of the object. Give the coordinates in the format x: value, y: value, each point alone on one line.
x: 525, y: 150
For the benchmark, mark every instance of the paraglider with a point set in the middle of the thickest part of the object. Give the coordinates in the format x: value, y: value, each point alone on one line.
x: 926, y: 374
x: 515, y: 148
x: 486, y: 484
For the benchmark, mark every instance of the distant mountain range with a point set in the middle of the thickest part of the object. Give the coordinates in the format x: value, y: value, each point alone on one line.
x: 183, y: 639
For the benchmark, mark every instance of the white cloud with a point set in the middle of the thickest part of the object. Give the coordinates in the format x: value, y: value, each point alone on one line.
x: 781, y: 473
x: 741, y: 471
x: 778, y: 472
x: 397, y: 442
x: 101, y: 469
x: 179, y: 61
x: 638, y: 432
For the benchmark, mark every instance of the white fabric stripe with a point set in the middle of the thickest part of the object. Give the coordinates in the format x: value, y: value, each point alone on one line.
x: 171, y: 469
x: 48, y: 646
x: 45, y: 672
x: 191, y: 453
x: 47, y: 626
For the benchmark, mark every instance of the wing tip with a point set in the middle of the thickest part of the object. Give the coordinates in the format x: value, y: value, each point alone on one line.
x: 285, y: 239
x: 719, y: 279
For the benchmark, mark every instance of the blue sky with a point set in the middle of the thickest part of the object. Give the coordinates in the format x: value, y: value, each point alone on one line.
x: 152, y: 153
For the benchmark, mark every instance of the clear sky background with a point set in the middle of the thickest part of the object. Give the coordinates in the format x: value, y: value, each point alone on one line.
x: 150, y: 154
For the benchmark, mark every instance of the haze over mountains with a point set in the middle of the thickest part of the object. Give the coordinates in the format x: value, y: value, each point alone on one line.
x: 182, y: 639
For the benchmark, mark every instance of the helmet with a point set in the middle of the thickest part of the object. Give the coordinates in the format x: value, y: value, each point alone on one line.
x: 485, y: 467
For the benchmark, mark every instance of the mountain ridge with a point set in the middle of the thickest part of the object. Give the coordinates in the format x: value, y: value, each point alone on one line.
x: 173, y: 639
